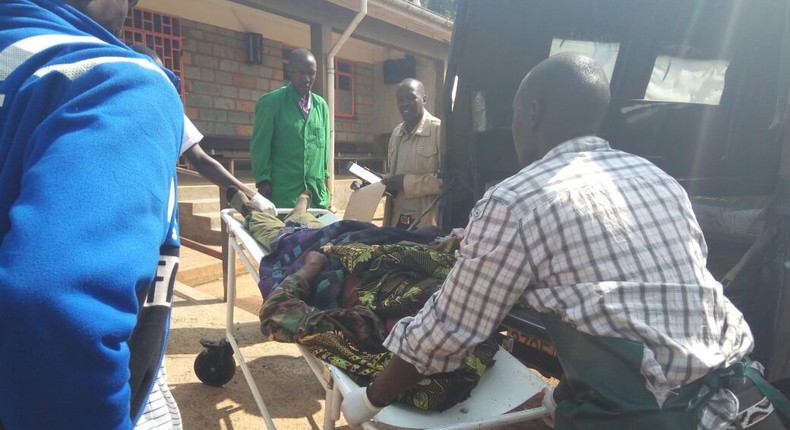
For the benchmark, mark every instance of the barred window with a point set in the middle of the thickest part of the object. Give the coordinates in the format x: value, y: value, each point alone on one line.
x: 160, y: 32
x: 345, y: 106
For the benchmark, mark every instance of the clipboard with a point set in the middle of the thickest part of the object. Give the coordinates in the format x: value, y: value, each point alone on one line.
x: 363, y: 202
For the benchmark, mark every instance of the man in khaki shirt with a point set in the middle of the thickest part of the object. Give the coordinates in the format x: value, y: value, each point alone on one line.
x: 414, y: 158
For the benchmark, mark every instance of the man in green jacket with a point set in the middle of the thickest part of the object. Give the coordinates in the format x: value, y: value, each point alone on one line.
x: 290, y: 139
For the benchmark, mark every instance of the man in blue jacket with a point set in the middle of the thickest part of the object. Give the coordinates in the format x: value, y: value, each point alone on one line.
x: 88, y: 231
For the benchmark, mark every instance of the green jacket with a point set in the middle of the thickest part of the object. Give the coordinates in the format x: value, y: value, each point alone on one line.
x: 290, y: 151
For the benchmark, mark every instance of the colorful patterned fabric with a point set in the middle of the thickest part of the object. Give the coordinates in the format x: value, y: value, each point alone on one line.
x: 395, y: 281
x: 288, y: 253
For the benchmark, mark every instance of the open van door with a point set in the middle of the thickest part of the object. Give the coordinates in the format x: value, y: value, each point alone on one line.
x: 698, y: 87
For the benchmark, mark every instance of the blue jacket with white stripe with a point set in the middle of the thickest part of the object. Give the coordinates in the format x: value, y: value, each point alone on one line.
x: 89, y: 136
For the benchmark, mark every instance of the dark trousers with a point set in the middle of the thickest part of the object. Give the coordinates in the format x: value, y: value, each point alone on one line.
x: 603, y: 388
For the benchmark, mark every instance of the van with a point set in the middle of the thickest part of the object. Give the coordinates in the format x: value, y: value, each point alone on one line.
x: 699, y: 88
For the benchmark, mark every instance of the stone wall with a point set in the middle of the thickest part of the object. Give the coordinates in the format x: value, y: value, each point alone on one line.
x: 221, y: 88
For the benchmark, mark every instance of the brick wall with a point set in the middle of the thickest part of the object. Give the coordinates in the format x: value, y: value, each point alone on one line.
x: 221, y: 88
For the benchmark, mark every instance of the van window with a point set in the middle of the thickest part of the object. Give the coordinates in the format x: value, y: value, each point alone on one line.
x: 605, y: 53
x: 685, y: 80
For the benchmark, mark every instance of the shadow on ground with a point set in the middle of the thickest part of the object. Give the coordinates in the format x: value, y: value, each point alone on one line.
x: 287, y: 386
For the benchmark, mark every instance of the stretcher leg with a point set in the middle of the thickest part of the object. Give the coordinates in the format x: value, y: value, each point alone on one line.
x: 233, y: 247
x: 329, y: 406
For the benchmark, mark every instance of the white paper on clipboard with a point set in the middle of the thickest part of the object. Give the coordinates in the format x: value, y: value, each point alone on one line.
x: 362, y: 173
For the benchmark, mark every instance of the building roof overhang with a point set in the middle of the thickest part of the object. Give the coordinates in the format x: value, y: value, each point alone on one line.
x: 394, y: 23
x: 406, y: 15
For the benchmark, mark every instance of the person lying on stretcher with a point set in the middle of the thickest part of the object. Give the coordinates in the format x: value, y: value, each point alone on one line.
x: 375, y: 285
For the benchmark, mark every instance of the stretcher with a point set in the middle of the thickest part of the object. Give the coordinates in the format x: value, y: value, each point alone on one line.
x: 505, y: 385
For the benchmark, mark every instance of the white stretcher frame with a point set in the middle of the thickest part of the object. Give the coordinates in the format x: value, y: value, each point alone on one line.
x: 518, y: 383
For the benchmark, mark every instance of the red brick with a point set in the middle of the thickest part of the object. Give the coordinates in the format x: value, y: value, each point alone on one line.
x: 244, y: 81
x: 277, y: 75
x: 192, y: 113
x: 245, y: 105
x: 243, y: 130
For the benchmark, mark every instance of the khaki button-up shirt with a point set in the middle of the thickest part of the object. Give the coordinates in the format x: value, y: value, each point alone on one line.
x: 417, y: 156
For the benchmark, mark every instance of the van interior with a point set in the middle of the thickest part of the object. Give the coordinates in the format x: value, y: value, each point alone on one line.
x: 699, y: 87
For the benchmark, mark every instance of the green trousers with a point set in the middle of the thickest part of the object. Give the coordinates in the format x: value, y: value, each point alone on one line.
x: 609, y: 390
x: 265, y: 227
x: 608, y: 387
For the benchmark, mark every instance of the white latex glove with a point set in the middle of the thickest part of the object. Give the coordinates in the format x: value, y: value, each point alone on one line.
x: 550, y: 405
x: 263, y: 204
x: 357, y: 407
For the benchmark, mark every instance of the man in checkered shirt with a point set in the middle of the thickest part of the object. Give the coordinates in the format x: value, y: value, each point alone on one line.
x: 606, y: 246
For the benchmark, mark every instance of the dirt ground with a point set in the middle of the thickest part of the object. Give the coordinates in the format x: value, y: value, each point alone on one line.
x: 293, y: 396
x: 291, y: 393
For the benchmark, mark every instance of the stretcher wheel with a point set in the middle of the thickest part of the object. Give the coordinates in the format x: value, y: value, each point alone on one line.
x: 215, y: 365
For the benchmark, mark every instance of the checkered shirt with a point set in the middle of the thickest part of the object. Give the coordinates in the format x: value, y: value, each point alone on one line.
x: 602, y: 238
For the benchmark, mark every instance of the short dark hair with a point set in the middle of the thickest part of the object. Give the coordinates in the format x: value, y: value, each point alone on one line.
x: 572, y: 87
x: 419, y: 88
x: 300, y: 54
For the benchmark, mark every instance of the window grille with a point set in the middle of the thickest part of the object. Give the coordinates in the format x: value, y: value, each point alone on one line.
x: 345, y: 103
x: 160, y: 32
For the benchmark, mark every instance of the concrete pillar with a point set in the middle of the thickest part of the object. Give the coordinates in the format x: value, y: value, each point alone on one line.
x: 438, y: 109
x: 320, y: 44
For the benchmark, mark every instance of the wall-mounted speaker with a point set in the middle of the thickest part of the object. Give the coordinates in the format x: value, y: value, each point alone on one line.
x: 254, y: 48
x: 398, y: 70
